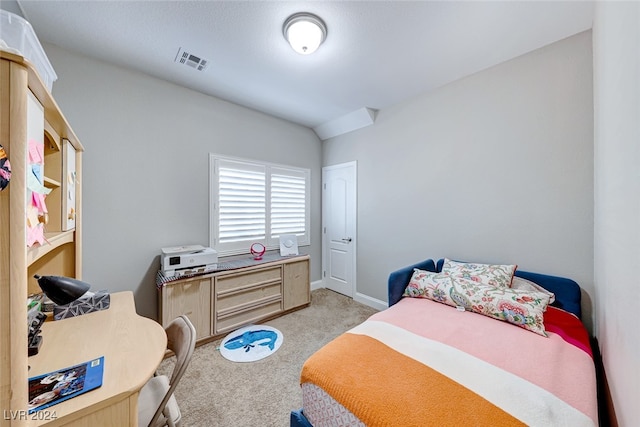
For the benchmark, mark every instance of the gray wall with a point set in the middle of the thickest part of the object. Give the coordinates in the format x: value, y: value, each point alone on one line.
x: 495, y: 167
x: 11, y: 6
x: 616, y: 41
x: 145, y: 166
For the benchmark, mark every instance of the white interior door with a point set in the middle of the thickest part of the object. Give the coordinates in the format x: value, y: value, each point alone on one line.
x: 339, y: 227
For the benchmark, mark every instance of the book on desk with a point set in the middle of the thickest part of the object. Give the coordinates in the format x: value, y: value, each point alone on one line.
x: 55, y: 387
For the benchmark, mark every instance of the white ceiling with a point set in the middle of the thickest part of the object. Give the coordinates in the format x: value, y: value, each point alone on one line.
x: 377, y: 53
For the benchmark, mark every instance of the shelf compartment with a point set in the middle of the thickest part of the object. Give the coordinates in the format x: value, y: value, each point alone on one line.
x: 51, y: 183
x: 53, y: 241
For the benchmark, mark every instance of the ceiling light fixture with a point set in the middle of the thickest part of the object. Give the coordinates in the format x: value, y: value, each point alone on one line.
x: 304, y: 32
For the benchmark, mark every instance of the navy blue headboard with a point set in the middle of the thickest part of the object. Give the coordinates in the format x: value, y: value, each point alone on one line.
x: 398, y: 280
x: 567, y: 291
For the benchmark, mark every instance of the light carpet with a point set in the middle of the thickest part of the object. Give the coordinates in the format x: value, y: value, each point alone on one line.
x: 217, y: 392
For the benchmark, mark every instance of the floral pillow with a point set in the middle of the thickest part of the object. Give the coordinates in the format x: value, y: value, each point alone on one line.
x: 522, y: 308
x: 528, y: 285
x: 426, y: 284
x: 490, y: 274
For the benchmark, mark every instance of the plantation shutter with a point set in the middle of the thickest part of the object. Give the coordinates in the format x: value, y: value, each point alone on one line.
x: 288, y: 202
x: 255, y: 202
x: 241, y: 203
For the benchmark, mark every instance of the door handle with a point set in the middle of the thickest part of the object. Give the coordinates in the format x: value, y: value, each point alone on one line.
x: 348, y: 240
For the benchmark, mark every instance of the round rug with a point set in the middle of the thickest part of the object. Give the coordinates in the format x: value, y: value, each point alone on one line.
x: 251, y: 343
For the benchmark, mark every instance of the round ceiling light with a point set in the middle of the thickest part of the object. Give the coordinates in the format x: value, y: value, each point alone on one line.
x: 304, y: 32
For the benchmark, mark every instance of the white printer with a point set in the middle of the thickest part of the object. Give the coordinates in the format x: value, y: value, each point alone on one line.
x: 177, y: 261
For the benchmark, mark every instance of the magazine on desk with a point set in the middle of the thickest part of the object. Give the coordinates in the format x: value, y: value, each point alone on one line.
x: 55, y: 387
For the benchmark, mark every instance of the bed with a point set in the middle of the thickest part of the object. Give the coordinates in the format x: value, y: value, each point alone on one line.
x: 458, y: 347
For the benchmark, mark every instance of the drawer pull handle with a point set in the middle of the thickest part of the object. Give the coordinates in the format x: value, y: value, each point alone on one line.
x: 221, y: 314
x: 245, y: 288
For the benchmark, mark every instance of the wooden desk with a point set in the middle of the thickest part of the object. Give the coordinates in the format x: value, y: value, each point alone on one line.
x: 132, y: 346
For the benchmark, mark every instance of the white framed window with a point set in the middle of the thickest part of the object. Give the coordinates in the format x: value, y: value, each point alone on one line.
x: 253, y: 201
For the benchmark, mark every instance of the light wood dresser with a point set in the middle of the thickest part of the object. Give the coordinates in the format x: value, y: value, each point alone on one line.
x: 220, y: 302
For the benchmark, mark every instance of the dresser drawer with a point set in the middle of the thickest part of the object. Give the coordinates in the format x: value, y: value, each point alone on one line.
x: 228, y: 320
x: 245, y: 297
x: 248, y: 295
x: 236, y: 282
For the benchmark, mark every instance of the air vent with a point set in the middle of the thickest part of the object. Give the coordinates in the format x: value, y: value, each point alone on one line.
x: 191, y: 60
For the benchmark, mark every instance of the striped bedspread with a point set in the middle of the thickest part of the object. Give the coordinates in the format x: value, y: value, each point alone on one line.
x: 423, y: 363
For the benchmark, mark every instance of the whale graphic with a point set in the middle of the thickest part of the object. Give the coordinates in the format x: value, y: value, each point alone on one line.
x: 250, y: 338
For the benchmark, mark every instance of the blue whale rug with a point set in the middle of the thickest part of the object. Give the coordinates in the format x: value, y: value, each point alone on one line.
x: 251, y: 343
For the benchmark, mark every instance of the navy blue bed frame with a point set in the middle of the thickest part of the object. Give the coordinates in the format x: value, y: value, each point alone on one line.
x: 567, y: 292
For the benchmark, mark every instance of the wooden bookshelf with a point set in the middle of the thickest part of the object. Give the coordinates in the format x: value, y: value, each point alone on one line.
x: 61, y: 253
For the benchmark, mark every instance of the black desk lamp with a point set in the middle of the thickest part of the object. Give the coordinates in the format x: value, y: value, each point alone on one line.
x: 60, y: 290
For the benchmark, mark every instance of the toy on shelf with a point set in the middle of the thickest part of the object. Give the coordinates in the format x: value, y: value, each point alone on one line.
x: 258, y: 250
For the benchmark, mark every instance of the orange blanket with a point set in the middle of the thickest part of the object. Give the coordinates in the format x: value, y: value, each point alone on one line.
x: 344, y: 368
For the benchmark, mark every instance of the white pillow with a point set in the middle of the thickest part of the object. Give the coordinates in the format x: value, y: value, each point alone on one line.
x: 528, y: 285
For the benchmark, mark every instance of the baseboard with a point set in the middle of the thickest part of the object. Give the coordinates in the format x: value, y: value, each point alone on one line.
x: 317, y: 285
x: 371, y: 302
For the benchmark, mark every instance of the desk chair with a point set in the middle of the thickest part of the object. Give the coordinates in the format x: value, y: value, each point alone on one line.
x: 157, y: 405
